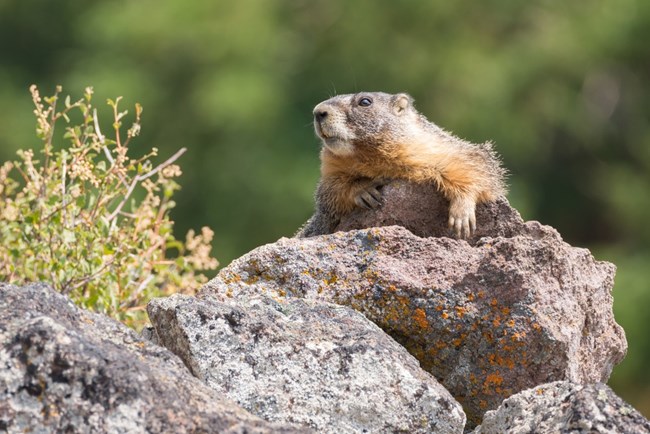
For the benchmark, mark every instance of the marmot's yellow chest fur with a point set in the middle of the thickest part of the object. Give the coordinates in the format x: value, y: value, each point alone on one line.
x: 372, y: 137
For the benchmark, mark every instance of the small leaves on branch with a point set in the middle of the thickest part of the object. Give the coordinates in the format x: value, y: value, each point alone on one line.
x: 90, y: 219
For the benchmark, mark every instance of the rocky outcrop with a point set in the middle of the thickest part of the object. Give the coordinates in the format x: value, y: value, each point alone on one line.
x: 563, y: 407
x: 512, y: 308
x: 285, y: 332
x: 305, y: 361
x: 63, y: 369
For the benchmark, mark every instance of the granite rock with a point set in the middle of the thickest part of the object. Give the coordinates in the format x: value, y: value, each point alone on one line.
x: 63, y: 369
x: 305, y: 361
x: 562, y: 407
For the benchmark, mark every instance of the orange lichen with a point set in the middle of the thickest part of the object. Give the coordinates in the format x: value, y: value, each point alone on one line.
x: 420, y: 318
x: 518, y: 336
x: 231, y: 278
x: 494, y: 302
x: 254, y: 278
x: 444, y: 315
x: 493, y: 379
x: 461, y: 311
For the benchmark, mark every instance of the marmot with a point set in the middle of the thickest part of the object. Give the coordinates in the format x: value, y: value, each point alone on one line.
x: 370, y: 138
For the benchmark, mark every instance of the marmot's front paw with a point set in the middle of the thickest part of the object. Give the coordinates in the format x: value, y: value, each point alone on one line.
x: 462, y: 217
x: 370, y: 197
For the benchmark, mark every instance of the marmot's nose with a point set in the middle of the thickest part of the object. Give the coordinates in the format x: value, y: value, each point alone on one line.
x: 320, y: 113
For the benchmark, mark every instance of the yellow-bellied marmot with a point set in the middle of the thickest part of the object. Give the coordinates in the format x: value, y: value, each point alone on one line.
x: 370, y: 138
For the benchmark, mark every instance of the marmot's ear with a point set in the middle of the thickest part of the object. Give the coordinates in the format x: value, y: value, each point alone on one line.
x: 401, y: 102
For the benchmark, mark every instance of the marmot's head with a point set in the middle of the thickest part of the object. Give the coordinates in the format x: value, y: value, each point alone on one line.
x: 363, y: 120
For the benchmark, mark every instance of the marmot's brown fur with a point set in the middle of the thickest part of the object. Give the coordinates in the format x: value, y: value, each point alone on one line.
x: 370, y: 138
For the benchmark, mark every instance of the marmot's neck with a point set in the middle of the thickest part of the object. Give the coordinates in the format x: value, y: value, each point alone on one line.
x: 360, y: 163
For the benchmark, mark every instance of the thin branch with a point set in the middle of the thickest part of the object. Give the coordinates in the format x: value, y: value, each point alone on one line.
x: 87, y: 279
x: 109, y: 157
x: 126, y: 197
x: 169, y: 161
x: 140, y: 178
x: 100, y: 136
x: 143, y: 284
x: 63, y: 175
x: 57, y: 209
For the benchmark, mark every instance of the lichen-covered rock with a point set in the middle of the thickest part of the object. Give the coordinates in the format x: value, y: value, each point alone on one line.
x: 308, y: 362
x: 563, y: 407
x: 487, y: 318
x: 63, y: 369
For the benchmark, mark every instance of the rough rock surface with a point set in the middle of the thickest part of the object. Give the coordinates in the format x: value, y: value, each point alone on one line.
x: 564, y: 407
x: 513, y: 309
x: 422, y: 210
x: 309, y: 362
x: 63, y: 369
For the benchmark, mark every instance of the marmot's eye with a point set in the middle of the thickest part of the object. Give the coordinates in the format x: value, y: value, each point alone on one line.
x: 365, y: 102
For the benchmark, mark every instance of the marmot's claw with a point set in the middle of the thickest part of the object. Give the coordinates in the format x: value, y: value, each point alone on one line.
x: 462, y: 218
x: 369, y: 199
x: 462, y: 227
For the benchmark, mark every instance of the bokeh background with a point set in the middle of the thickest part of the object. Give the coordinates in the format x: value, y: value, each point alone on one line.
x: 562, y: 88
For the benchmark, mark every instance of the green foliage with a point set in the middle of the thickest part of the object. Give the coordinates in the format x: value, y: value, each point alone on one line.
x: 71, y: 217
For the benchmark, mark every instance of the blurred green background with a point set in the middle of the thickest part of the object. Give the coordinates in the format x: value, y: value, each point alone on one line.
x: 562, y: 88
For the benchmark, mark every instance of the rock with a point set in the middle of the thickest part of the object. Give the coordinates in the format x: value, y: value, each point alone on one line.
x: 305, y: 361
x: 488, y: 318
x: 564, y: 407
x: 148, y: 333
x: 422, y: 210
x: 63, y: 369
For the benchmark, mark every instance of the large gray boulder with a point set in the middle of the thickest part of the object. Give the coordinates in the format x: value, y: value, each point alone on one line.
x: 63, y: 369
x: 305, y: 361
x: 562, y: 408
x: 511, y: 308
